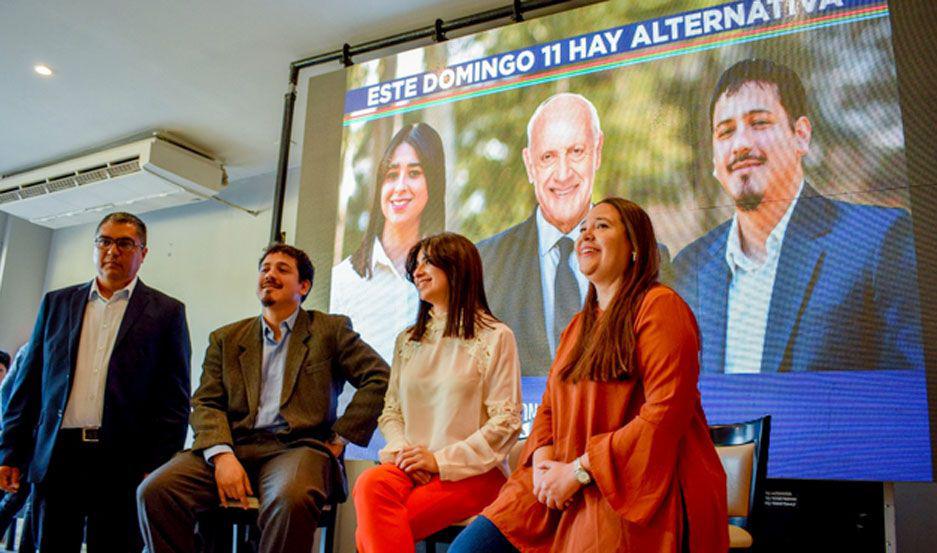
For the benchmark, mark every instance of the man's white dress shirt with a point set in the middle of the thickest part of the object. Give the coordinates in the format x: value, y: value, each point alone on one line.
x: 379, y: 307
x: 549, y: 255
x: 750, y: 289
x: 102, y: 319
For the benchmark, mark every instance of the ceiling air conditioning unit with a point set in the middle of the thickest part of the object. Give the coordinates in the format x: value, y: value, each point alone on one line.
x: 145, y: 175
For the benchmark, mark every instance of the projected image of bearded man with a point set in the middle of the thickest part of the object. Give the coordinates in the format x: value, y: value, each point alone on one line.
x: 757, y: 154
x: 794, y: 281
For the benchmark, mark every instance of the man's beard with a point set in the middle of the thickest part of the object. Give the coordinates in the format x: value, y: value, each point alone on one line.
x: 748, y: 200
x: 266, y: 299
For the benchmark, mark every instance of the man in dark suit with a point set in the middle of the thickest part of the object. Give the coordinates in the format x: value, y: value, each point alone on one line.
x: 265, y: 418
x: 101, y: 398
x: 794, y: 281
x: 12, y: 503
x: 532, y: 278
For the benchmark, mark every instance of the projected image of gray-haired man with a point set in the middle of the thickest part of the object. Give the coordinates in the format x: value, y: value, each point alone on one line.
x: 532, y: 280
x: 531, y: 275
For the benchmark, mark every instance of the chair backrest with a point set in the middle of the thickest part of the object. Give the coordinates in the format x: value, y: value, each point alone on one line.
x: 738, y: 462
x: 743, y: 450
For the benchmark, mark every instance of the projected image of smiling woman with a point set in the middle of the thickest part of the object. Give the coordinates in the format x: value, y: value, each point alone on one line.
x: 370, y: 286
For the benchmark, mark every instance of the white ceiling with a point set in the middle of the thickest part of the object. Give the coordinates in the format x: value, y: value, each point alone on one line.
x: 211, y: 71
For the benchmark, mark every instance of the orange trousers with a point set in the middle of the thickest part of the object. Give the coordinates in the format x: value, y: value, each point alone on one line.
x: 394, y: 513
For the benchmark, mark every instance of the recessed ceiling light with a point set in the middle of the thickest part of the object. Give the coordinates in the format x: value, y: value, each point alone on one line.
x: 43, y: 70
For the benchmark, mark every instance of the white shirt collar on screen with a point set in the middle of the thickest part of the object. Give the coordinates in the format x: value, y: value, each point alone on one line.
x: 379, y: 307
x: 548, y: 235
x: 749, y: 298
x: 736, y: 258
x: 379, y: 257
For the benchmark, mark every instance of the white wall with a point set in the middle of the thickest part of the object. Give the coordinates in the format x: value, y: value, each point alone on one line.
x: 23, y: 248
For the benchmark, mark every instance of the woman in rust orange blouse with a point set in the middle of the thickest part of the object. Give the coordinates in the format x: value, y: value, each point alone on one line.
x: 619, y: 457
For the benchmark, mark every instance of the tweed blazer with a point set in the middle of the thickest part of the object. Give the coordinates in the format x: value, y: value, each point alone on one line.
x: 322, y: 354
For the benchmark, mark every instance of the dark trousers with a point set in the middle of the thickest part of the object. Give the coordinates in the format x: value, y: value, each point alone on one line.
x: 86, y: 494
x: 292, y: 483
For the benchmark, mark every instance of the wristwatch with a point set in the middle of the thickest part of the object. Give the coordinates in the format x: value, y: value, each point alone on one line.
x: 581, y: 474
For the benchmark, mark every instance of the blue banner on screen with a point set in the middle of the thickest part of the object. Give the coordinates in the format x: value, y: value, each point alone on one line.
x: 599, y: 45
x: 765, y: 140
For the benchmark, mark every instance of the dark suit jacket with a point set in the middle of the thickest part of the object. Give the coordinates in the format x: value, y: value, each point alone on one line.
x: 512, y: 284
x: 323, y: 353
x: 146, y: 398
x: 845, y: 293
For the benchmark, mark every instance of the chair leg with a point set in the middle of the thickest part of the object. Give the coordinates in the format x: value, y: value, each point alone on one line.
x: 237, y: 545
x: 9, y: 543
x: 328, y: 536
x: 241, y: 539
x: 27, y: 543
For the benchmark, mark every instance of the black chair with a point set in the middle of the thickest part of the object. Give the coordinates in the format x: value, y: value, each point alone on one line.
x: 743, y: 450
x: 235, y: 529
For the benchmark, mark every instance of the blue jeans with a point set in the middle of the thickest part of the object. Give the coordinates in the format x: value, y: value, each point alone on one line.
x: 481, y: 536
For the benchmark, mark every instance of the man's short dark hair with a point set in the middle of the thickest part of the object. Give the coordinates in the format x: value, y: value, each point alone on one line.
x: 4, y: 359
x: 124, y: 218
x: 303, y: 264
x: 790, y: 88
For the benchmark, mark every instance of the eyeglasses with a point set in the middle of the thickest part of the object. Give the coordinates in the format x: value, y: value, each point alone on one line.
x: 123, y: 244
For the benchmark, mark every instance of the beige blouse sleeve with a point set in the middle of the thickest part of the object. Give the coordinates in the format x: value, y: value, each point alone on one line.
x: 391, y: 420
x: 489, y: 446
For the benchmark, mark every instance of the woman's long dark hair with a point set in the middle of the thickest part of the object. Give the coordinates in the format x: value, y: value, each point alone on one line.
x: 458, y: 258
x: 425, y: 140
x: 605, y: 349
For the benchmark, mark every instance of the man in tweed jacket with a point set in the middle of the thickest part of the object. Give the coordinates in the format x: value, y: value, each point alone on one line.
x: 264, y: 418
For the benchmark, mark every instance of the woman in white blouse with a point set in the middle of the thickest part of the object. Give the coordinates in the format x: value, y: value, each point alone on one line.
x: 452, y: 409
x: 370, y: 285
